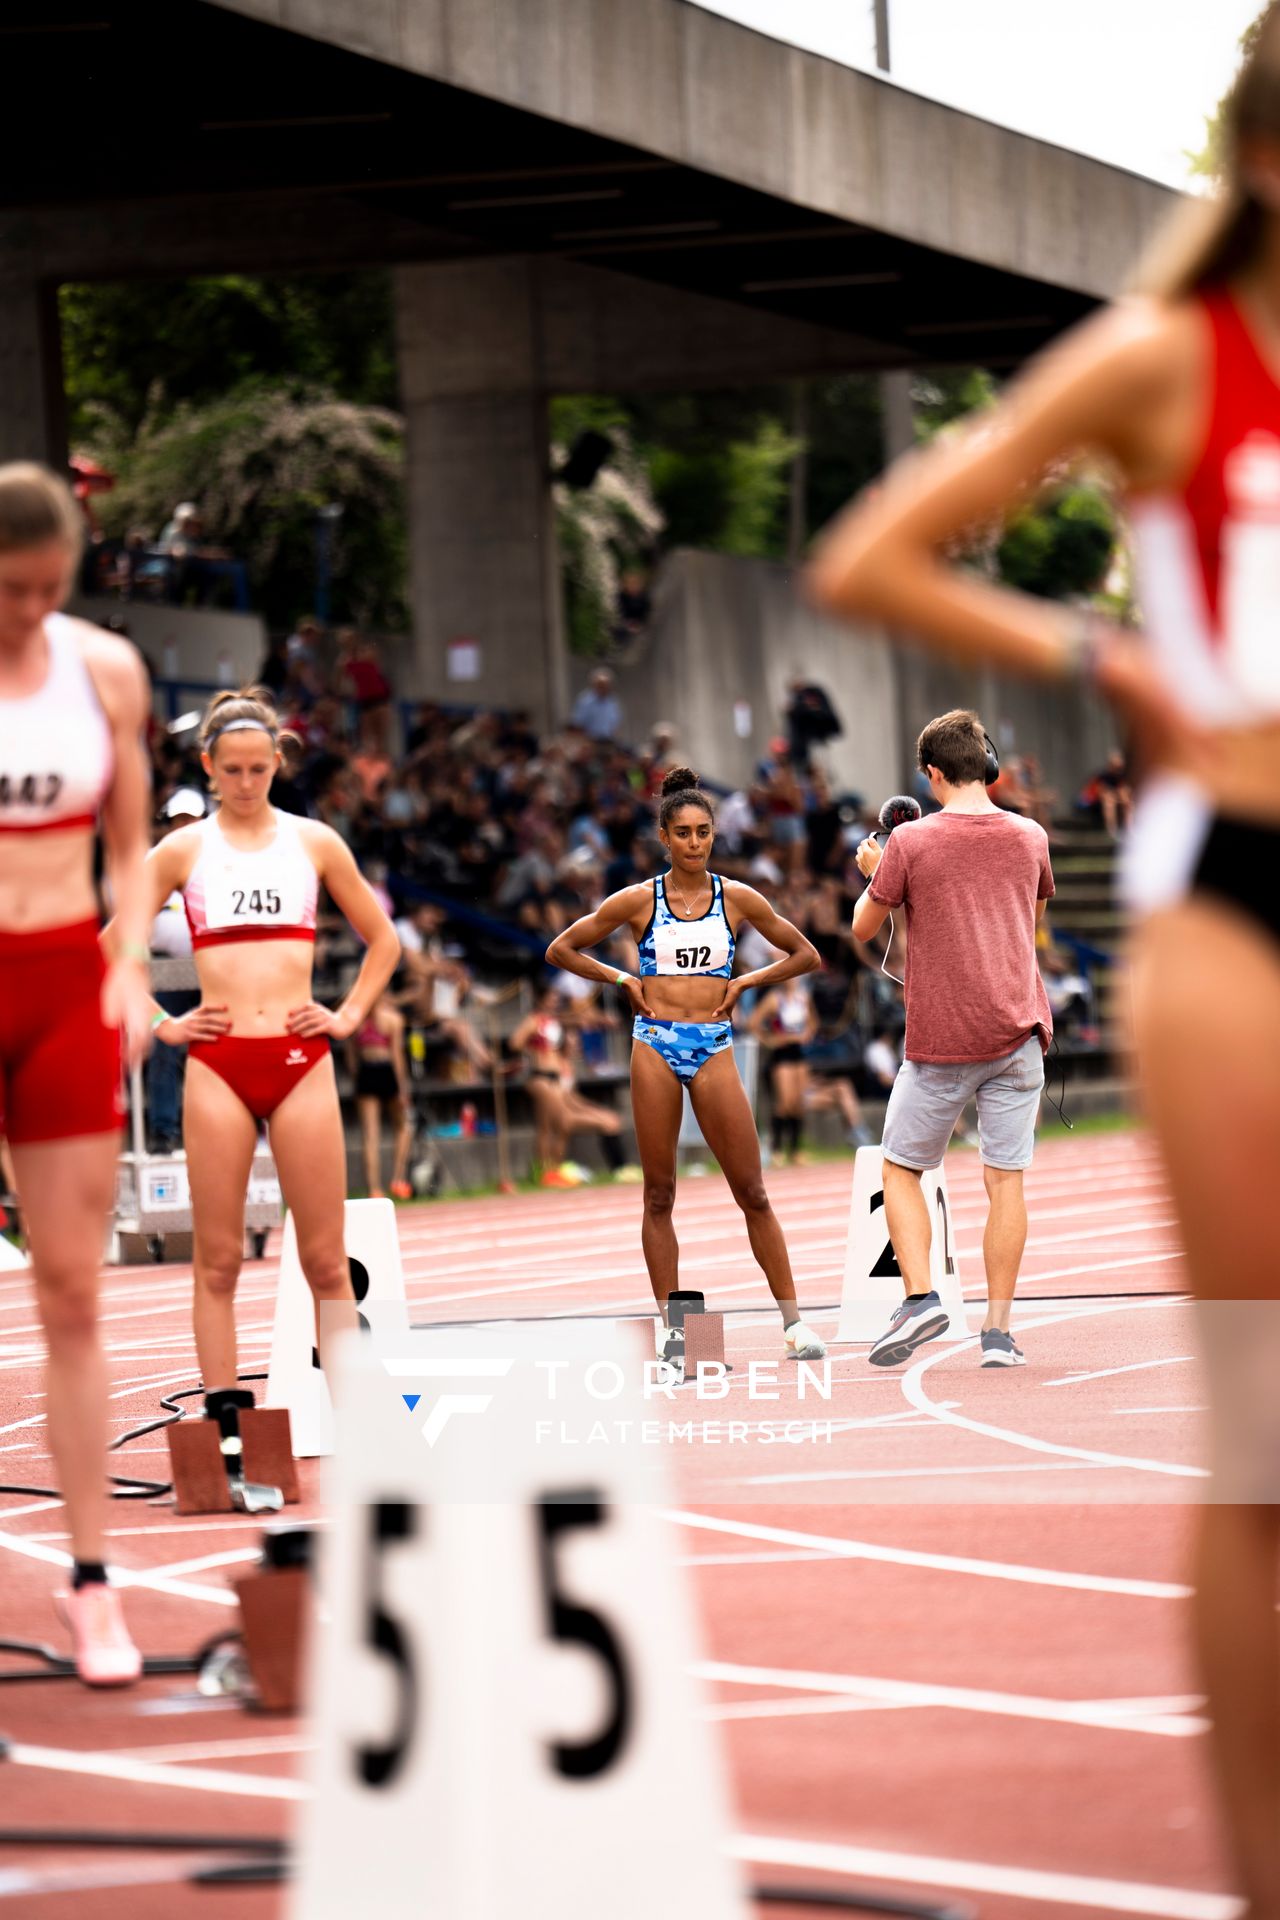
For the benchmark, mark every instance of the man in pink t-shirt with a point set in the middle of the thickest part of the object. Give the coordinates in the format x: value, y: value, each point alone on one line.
x: 972, y: 881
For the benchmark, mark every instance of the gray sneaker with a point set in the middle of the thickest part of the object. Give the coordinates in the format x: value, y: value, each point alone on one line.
x: 921, y: 1317
x: 1000, y: 1350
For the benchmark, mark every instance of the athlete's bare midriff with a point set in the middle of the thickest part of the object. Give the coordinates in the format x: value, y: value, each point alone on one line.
x: 669, y: 999
x: 1240, y: 776
x: 46, y: 880
x: 260, y: 982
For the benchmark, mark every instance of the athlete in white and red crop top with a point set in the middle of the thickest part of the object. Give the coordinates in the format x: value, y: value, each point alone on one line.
x: 1179, y: 392
x: 73, y: 703
x: 259, y: 893
x: 258, y: 1042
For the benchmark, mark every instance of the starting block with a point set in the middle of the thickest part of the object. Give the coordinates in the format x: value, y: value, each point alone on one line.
x: 199, y: 1467
x: 872, y: 1277
x: 703, y: 1332
x: 273, y: 1618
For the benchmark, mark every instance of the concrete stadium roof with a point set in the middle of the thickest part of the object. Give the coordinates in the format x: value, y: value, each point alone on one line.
x: 648, y: 137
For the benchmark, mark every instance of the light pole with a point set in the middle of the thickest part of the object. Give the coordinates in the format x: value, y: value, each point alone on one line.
x: 880, y: 8
x: 327, y: 518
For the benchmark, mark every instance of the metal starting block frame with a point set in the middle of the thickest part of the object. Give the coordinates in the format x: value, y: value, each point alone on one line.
x: 153, y: 1193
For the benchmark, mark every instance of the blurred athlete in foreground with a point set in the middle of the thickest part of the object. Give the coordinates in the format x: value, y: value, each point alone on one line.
x: 73, y: 706
x: 1180, y: 388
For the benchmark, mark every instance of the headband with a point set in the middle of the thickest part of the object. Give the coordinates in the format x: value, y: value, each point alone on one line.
x: 240, y: 726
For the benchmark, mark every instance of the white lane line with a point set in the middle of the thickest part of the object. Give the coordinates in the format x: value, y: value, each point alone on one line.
x: 976, y: 1470
x: 981, y: 1876
x: 1172, y: 1258
x: 1134, y: 1366
x: 232, y: 1557
x: 111, y: 1766
x: 121, y: 1576
x: 222, y: 1523
x: 220, y: 1749
x: 802, y: 1707
x: 128, y: 1387
x: 840, y: 1548
x: 23, y: 1883
x: 1118, y: 1410
x: 14, y: 1426
x: 1121, y: 1718
x: 813, y: 1557
x: 915, y: 1392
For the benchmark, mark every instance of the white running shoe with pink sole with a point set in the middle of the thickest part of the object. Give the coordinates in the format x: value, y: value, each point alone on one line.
x: 105, y: 1656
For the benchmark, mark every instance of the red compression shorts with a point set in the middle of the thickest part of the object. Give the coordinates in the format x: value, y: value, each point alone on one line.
x: 261, y: 1072
x: 59, y: 1065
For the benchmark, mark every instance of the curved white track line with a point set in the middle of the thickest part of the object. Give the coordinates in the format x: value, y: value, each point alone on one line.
x: 916, y: 1394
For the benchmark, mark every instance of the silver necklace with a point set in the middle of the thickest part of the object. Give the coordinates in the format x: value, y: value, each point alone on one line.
x: 688, y: 907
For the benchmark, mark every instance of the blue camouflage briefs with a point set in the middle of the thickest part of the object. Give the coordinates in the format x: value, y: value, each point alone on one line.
x: 685, y: 1045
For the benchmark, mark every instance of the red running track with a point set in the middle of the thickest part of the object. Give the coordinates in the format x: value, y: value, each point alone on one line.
x: 944, y: 1649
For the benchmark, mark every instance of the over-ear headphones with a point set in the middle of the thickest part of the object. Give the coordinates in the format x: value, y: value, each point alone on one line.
x: 991, y: 772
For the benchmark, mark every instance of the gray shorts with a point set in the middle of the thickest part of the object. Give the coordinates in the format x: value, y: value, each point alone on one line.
x: 928, y: 1098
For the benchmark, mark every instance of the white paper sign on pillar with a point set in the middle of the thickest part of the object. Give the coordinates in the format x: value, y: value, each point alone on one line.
x: 505, y: 1715
x: 872, y: 1278
x: 295, y: 1378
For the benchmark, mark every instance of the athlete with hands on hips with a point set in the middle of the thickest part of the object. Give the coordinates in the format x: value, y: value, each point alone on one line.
x: 73, y: 708
x: 258, y: 1044
x: 685, y: 923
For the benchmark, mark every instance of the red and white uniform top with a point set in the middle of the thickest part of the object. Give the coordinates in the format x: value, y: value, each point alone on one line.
x: 1208, y: 555
x: 267, y: 893
x: 56, y: 757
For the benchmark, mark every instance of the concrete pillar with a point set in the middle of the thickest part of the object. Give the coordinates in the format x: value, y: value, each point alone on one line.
x: 482, y: 549
x: 33, y: 421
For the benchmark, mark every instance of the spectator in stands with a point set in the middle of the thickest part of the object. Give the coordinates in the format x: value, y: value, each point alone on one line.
x: 657, y: 757
x: 437, y: 986
x: 821, y: 823
x: 596, y: 710
x: 376, y: 1057
x: 1041, y: 799
x: 1010, y: 792
x: 171, y: 940
x: 784, y: 1022
x: 784, y: 807
x: 302, y: 651
x: 1108, y: 794
x: 634, y: 606
x: 274, y: 671
x: 810, y: 720
x: 358, y: 676
x: 547, y: 1044
x: 194, y: 568
x: 881, y: 1062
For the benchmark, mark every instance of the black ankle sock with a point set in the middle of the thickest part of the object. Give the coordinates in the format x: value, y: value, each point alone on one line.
x: 611, y: 1148
x: 775, y: 1129
x: 88, y: 1573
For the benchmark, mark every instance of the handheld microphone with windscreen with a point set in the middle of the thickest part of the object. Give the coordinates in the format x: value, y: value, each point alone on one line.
x: 895, y: 813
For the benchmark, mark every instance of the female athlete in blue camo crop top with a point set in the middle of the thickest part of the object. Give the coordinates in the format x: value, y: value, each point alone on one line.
x: 682, y: 1002
x: 683, y: 948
